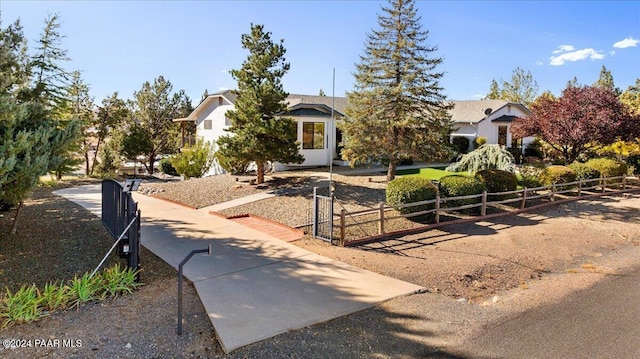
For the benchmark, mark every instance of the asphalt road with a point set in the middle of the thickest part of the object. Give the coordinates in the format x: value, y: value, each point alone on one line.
x: 600, y: 322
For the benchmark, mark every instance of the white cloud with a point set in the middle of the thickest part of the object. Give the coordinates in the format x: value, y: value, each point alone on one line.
x: 478, y: 96
x: 539, y: 63
x: 563, y: 48
x: 628, y: 42
x: 611, y: 53
x: 576, y: 56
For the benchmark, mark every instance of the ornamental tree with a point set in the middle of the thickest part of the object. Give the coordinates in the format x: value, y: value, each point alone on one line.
x: 582, y: 119
x: 398, y: 106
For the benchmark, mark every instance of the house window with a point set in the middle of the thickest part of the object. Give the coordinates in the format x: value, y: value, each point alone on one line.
x: 313, y: 135
x: 208, y: 124
x: 227, y: 121
x: 502, y: 135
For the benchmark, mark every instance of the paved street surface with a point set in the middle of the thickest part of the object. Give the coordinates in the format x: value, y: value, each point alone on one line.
x: 600, y: 322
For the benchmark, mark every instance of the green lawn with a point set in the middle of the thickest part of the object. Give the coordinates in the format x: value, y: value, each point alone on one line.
x: 432, y: 174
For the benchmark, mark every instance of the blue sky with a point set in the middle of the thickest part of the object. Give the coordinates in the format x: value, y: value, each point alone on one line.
x: 118, y: 45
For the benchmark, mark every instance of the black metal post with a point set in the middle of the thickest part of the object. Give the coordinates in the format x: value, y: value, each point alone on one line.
x: 180, y: 280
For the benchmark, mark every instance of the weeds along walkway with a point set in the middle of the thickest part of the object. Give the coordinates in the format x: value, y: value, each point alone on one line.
x: 253, y: 286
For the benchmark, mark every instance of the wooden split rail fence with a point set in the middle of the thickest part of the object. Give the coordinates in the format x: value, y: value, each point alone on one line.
x: 523, y: 199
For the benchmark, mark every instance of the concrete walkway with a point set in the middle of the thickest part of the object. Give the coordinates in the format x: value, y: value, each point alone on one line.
x: 253, y: 286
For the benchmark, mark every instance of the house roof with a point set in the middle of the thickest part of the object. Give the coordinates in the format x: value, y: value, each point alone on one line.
x: 474, y: 110
x: 504, y: 118
x: 340, y: 102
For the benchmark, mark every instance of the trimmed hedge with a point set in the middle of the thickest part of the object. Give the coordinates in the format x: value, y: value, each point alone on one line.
x: 557, y: 175
x: 608, y: 167
x: 584, y: 172
x: 410, y: 189
x: 497, y: 180
x: 457, y: 186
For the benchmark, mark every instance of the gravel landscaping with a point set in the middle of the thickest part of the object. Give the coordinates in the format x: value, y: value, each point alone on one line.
x: 475, y: 273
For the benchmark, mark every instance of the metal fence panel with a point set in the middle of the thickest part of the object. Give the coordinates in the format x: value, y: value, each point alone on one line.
x: 322, y: 216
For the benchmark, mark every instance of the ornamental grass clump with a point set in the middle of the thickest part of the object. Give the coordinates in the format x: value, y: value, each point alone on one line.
x: 29, y: 303
x: 21, y: 306
x: 459, y: 186
x: 409, y: 189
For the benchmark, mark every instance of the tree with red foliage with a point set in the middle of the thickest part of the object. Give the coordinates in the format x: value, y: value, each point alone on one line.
x: 583, y: 118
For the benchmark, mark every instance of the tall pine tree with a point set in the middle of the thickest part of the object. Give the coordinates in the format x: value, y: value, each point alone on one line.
x: 258, y: 135
x: 397, y: 108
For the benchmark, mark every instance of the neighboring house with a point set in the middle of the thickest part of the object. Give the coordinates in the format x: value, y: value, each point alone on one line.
x: 320, y: 139
x: 491, y: 119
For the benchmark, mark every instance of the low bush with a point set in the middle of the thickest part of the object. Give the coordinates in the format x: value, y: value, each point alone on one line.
x: 479, y: 142
x: 633, y: 162
x: 405, y: 190
x: 608, y: 167
x: 530, y: 175
x: 497, y: 180
x: 458, y: 186
x: 584, y: 172
x: 557, y: 175
x: 194, y: 161
x: 518, y: 157
x: 167, y: 168
x: 461, y: 144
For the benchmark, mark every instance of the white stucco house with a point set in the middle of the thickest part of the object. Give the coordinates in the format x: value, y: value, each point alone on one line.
x: 491, y: 119
x: 317, y: 133
x: 320, y: 140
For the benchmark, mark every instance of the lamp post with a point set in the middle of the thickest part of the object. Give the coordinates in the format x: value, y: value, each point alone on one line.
x: 180, y: 280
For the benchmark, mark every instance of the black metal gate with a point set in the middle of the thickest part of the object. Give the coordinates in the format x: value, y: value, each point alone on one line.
x: 121, y: 216
x: 322, y: 216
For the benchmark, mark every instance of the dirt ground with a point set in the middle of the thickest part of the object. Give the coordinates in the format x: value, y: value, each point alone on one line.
x: 474, y: 274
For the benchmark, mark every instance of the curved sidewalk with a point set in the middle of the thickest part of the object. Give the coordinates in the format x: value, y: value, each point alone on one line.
x: 253, y: 286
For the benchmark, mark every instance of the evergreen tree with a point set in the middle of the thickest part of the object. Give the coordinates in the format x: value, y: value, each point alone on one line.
x: 50, y: 78
x: 205, y: 94
x: 111, y: 115
x: 153, y: 108
x: 321, y: 93
x: 397, y: 108
x: 522, y: 88
x: 79, y: 107
x: 258, y: 136
x: 27, y: 133
x: 573, y: 82
x: 606, y: 80
x: 494, y: 91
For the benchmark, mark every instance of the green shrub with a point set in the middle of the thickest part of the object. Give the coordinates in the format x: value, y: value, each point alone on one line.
x: 404, y: 190
x: 479, y: 142
x: 194, y: 161
x: 557, y: 175
x: 167, y: 168
x: 461, y: 144
x: 633, y: 161
x: 517, y: 154
x: 458, y: 186
x: 497, y: 181
x: 608, y: 167
x: 233, y: 165
x: 584, y: 172
x: 530, y: 175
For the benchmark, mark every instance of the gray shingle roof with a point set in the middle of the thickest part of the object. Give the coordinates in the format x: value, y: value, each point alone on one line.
x: 474, y: 110
x: 340, y: 102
